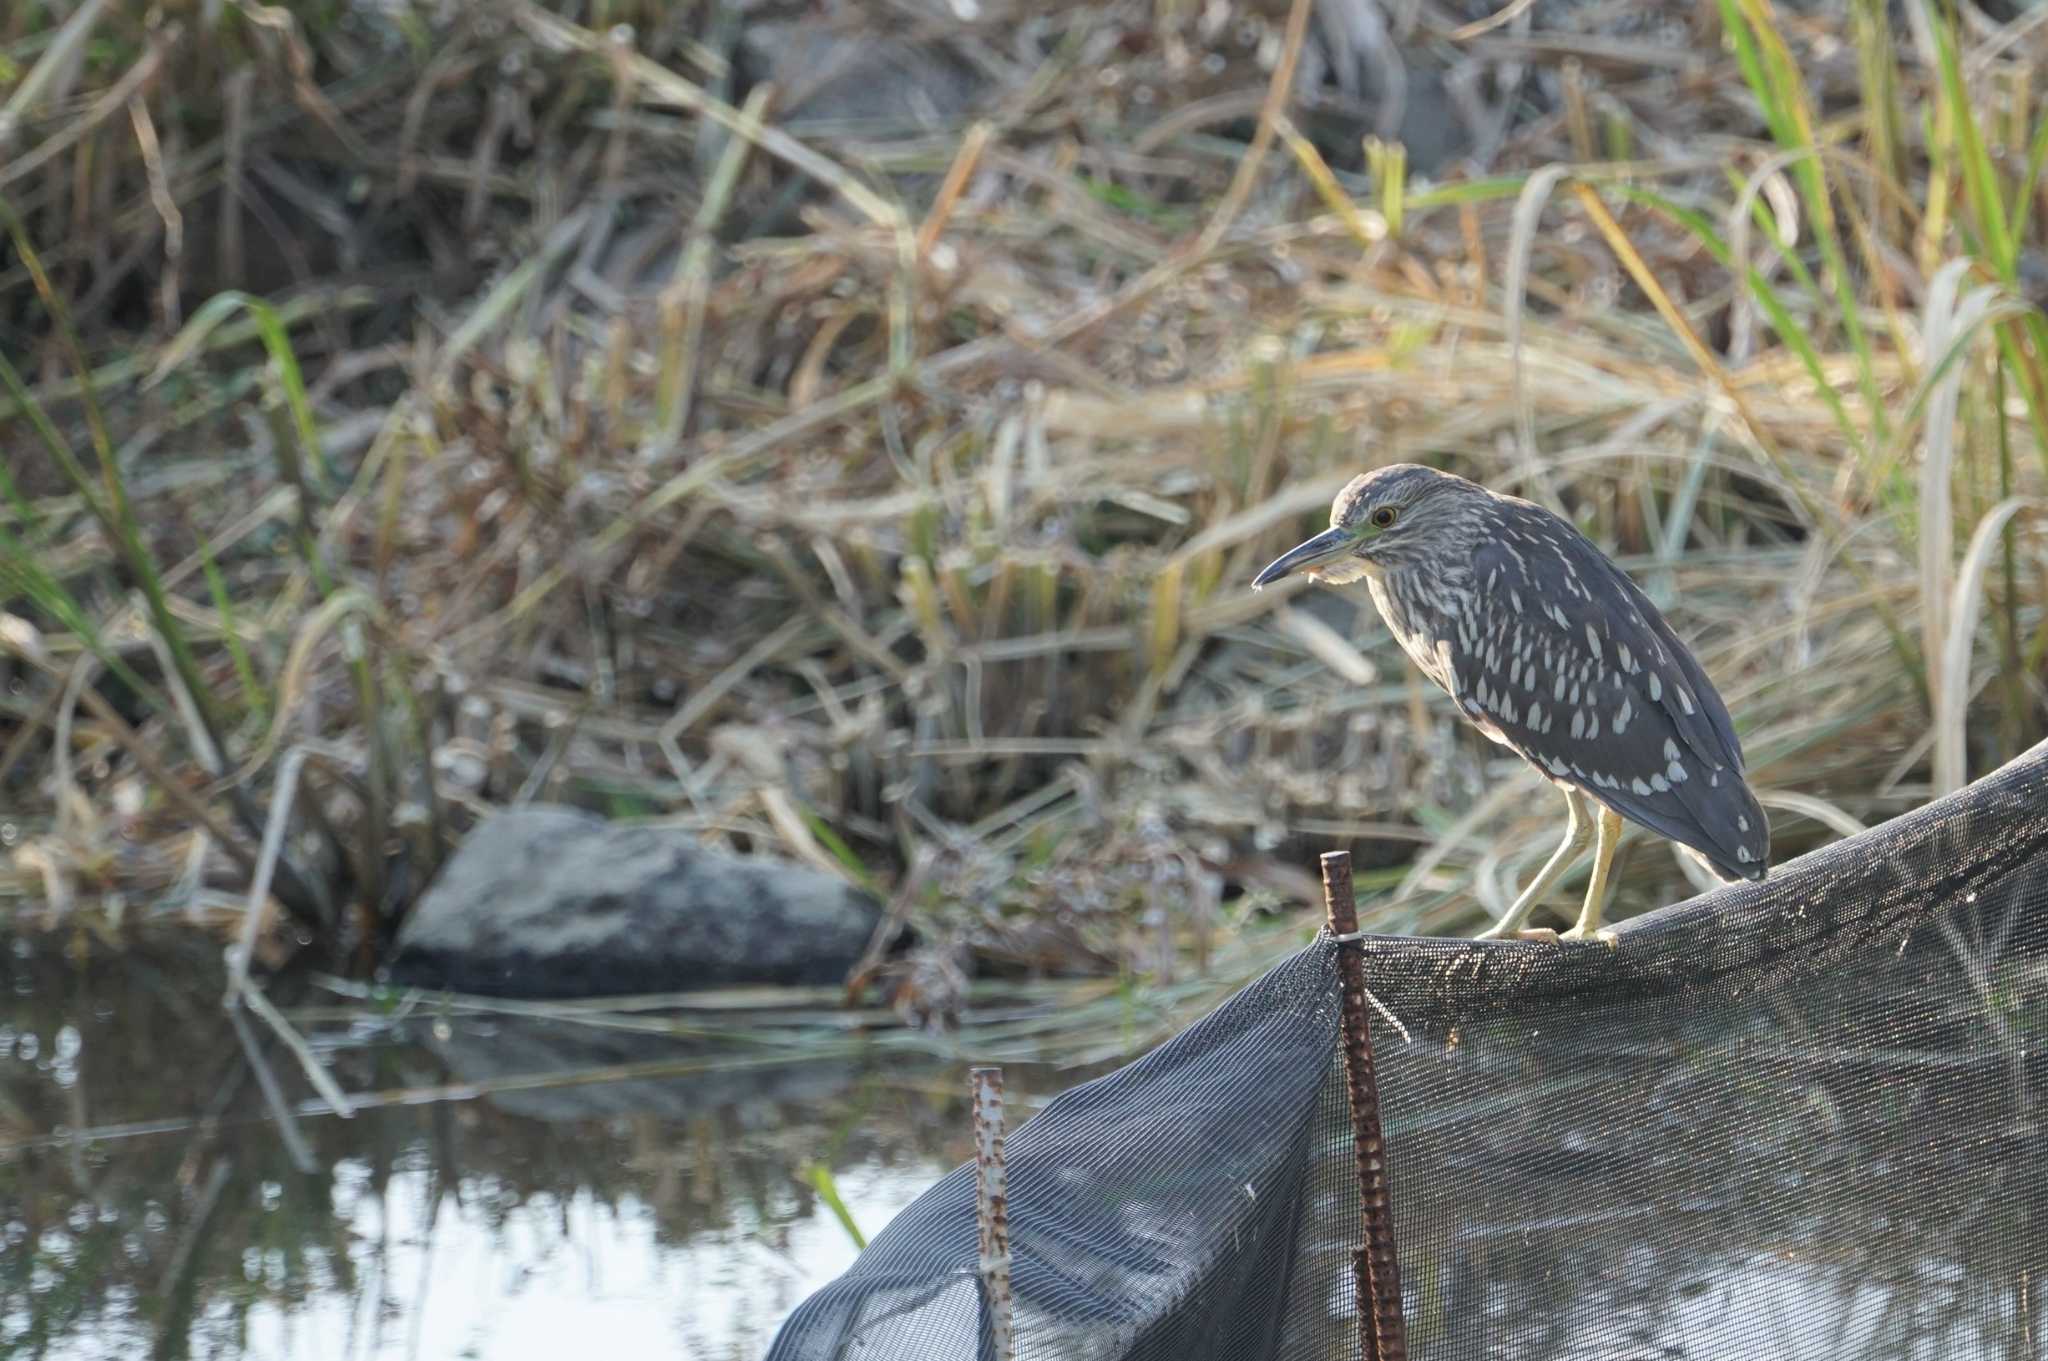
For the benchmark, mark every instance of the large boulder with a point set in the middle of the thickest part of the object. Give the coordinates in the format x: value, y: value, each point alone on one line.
x: 553, y: 902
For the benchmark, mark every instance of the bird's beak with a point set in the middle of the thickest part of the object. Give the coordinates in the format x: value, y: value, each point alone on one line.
x: 1326, y: 547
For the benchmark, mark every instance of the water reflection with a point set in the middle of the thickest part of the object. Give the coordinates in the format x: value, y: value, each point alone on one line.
x: 495, y: 1272
x: 524, y: 1211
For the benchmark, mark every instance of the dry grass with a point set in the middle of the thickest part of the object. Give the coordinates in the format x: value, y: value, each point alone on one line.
x: 886, y: 494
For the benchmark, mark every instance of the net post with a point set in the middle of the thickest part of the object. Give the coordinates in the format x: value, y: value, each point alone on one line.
x: 992, y: 1207
x: 1376, y: 1267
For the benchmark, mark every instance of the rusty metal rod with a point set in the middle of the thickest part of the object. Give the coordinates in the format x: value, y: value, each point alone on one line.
x: 992, y: 1207
x: 1376, y: 1267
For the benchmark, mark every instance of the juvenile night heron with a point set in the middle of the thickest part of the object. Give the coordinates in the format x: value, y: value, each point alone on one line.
x: 1551, y: 651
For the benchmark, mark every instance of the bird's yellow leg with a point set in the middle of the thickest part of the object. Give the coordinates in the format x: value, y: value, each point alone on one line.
x: 1588, y: 926
x: 1576, y: 834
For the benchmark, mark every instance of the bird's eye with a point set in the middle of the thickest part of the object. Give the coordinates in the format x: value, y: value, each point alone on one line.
x: 1384, y: 517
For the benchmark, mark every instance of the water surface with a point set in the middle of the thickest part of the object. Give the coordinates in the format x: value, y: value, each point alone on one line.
x: 516, y: 1185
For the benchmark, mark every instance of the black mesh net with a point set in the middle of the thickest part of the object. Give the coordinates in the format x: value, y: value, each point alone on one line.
x: 1792, y: 1119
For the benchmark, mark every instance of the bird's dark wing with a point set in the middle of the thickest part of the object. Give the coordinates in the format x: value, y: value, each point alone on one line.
x: 1574, y: 668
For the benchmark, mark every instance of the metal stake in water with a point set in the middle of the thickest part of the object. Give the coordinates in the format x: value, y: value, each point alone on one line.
x: 992, y: 1207
x: 1376, y: 1267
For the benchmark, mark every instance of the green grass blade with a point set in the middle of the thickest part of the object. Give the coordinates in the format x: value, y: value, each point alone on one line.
x: 1750, y: 61
x: 842, y: 852
x: 2023, y: 194
x: 25, y: 512
x: 1775, y: 79
x: 821, y: 1180
x: 22, y: 576
x: 59, y: 447
x: 1782, y: 321
x: 1766, y: 219
x: 1980, y: 178
x: 2022, y: 367
x: 223, y: 603
x: 116, y: 515
x: 1470, y: 191
x: 277, y: 344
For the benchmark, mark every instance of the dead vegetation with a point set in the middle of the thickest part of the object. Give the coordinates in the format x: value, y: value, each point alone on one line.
x: 853, y: 439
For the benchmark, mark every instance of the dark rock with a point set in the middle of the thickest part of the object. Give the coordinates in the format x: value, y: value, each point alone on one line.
x: 552, y: 902
x: 856, y: 77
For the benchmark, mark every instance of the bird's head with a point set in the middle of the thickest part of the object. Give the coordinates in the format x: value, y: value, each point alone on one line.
x: 1384, y: 518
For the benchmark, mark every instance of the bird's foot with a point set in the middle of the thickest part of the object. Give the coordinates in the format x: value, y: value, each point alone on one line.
x: 1603, y: 934
x: 1542, y: 933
